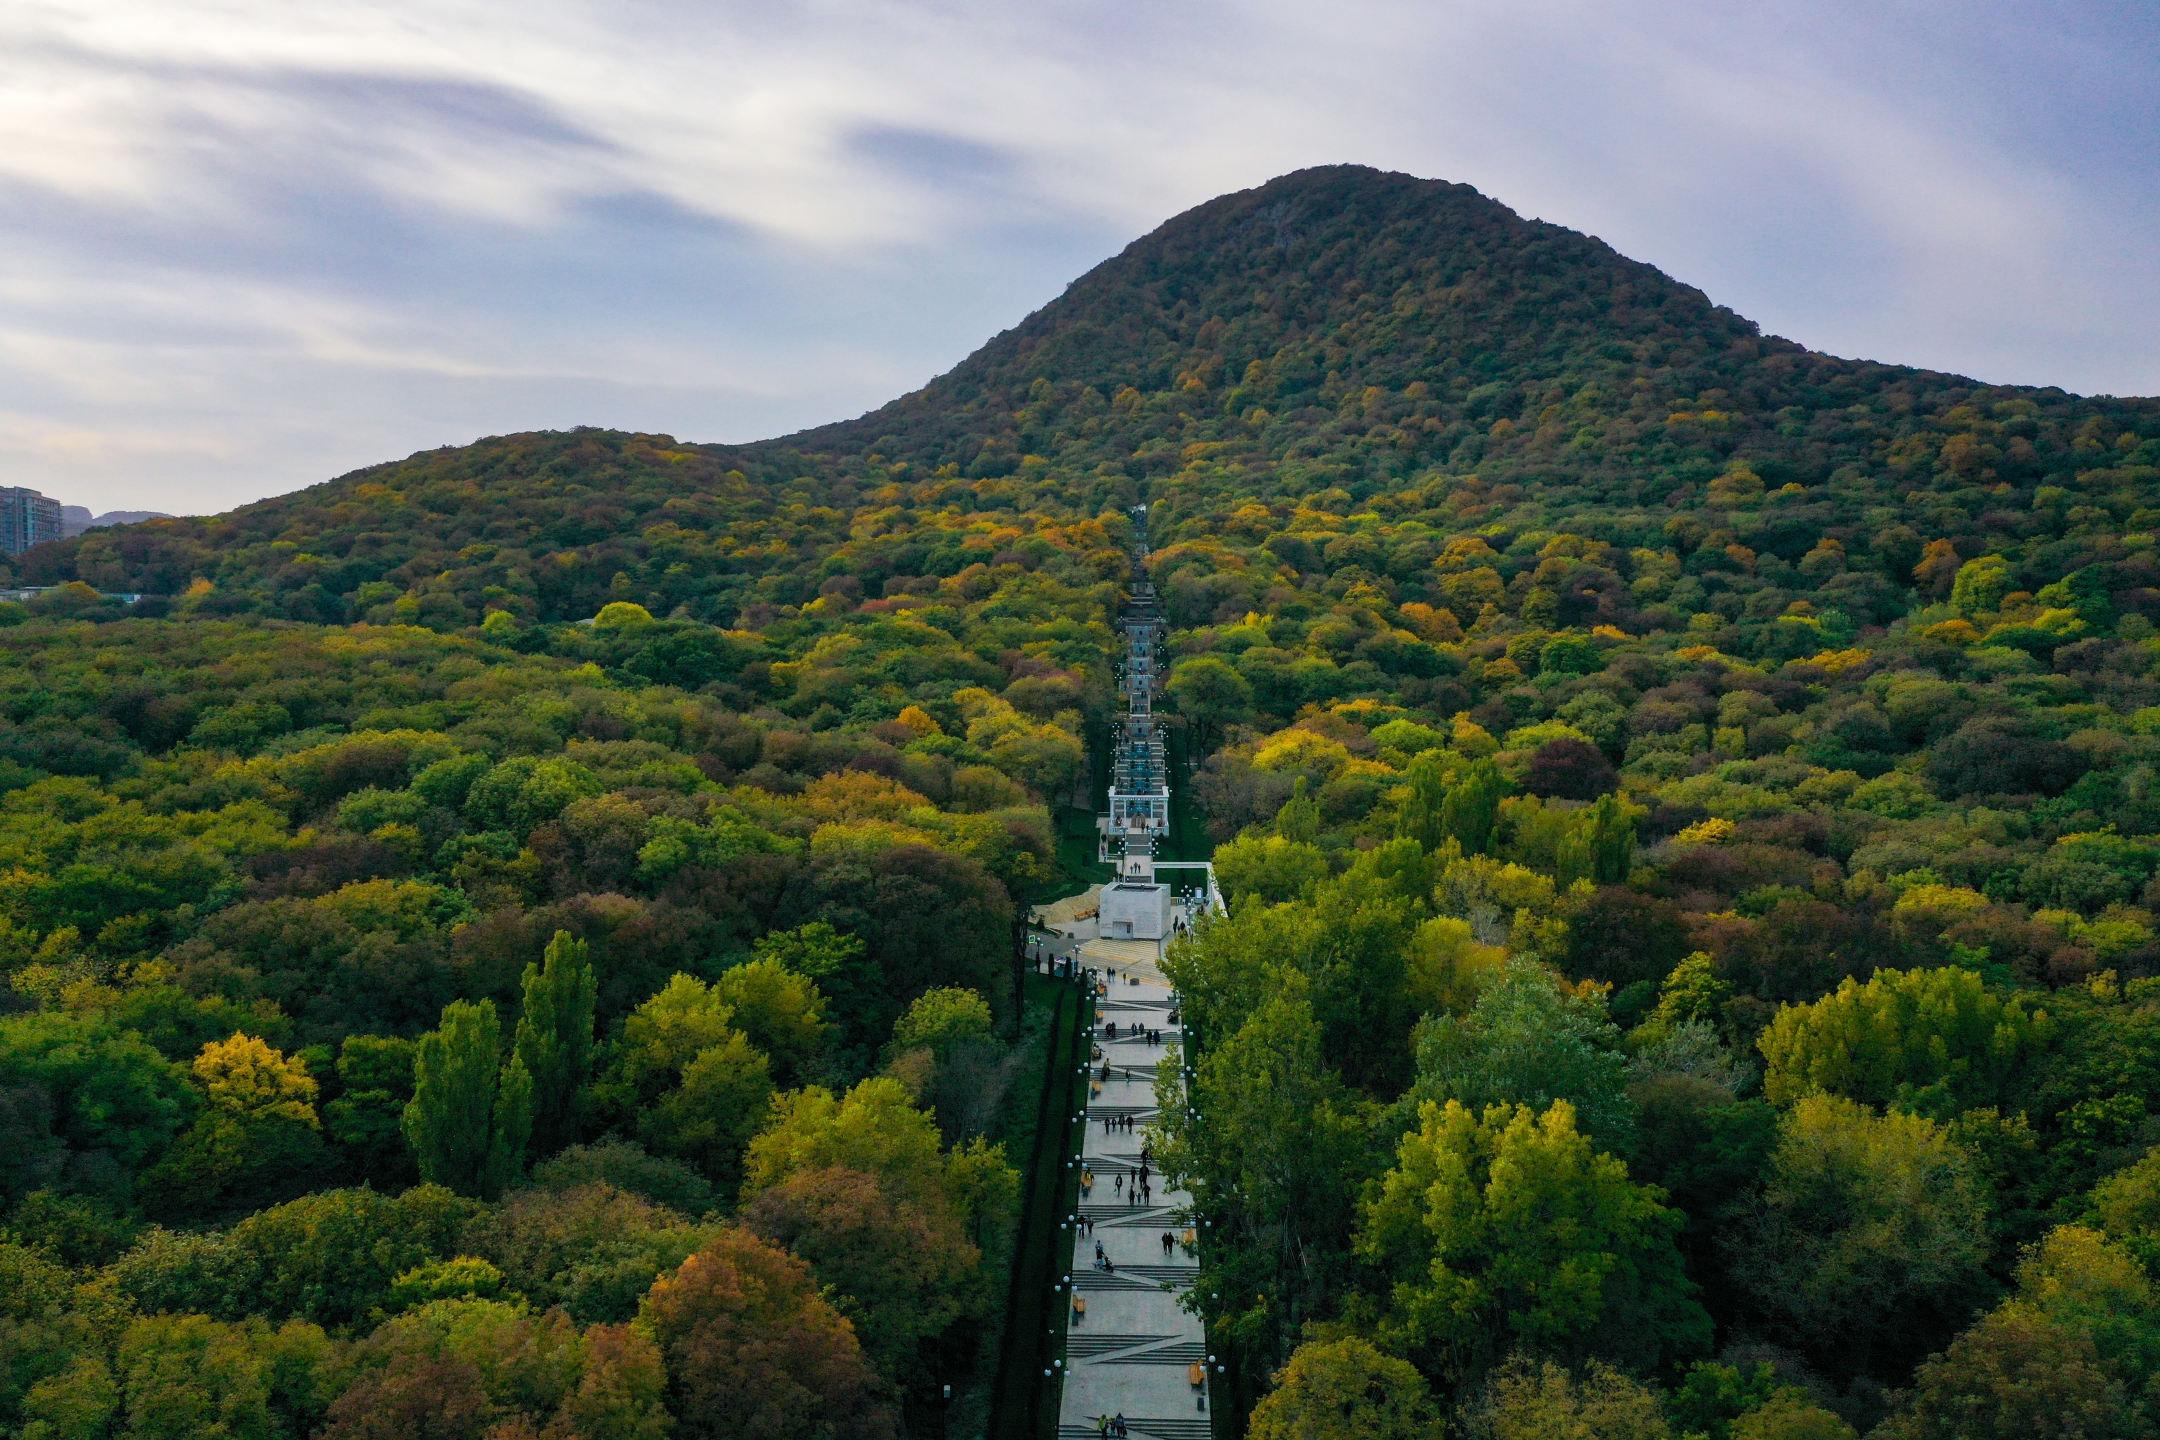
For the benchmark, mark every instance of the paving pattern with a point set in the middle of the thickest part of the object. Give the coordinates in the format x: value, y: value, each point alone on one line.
x: 1132, y: 1353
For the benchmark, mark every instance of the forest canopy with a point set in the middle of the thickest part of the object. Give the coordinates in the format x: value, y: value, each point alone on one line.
x: 493, y: 940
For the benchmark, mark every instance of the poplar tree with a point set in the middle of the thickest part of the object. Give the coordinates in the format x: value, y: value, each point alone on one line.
x: 1599, y: 845
x: 555, y: 1040
x: 1472, y: 808
x: 471, y: 1111
x: 1422, y: 816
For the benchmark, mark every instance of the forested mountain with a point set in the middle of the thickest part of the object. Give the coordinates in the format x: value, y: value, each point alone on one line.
x: 1337, y: 329
x: 1687, y: 801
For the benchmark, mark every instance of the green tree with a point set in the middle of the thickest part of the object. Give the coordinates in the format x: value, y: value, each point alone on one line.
x: 468, y: 1367
x: 1509, y: 1229
x: 903, y: 1273
x: 35, y: 1286
x: 555, y: 1038
x: 447, y: 782
x: 1570, y: 655
x: 81, y: 1231
x: 1472, y: 808
x: 2126, y: 1207
x: 330, y: 1257
x: 1981, y: 585
x: 1224, y: 971
x: 2074, y: 1353
x: 1353, y: 941
x: 1212, y: 696
x: 1789, y: 1415
x: 1421, y: 815
x: 1599, y: 716
x: 1936, y: 1040
x: 590, y: 1248
x: 109, y: 1091
x: 941, y: 1019
x: 525, y: 791
x: 77, y: 1403
x: 1868, y: 1229
x: 1599, y: 843
x: 1722, y: 1402
x: 1272, y: 1147
x: 471, y: 1111
x: 460, y: 1277
x: 688, y: 1082
x: 815, y: 950
x: 707, y: 1118
x: 187, y: 1376
x: 1298, y: 820
x: 1268, y: 866
x: 659, y: 1038
x: 1529, y: 1400
x: 875, y: 1129
x: 624, y: 1165
x: 622, y: 614
x: 367, y: 1120
x: 782, y: 1012
x: 1694, y: 991
x: 1529, y: 1040
x: 255, y: 1139
x: 1346, y: 1390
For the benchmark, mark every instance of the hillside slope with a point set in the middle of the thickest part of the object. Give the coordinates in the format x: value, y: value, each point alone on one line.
x: 1335, y: 330
x: 1593, y: 700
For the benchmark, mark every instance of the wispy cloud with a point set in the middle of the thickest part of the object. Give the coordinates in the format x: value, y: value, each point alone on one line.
x: 251, y: 245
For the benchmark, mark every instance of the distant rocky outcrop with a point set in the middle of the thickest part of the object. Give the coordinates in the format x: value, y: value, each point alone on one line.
x: 74, y: 519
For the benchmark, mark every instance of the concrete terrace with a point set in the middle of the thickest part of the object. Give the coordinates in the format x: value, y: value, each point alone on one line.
x: 1133, y: 1351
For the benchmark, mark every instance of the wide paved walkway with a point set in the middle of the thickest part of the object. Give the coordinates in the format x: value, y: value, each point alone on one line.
x: 1133, y: 1351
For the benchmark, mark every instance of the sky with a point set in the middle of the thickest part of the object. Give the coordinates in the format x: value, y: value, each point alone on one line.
x: 253, y: 244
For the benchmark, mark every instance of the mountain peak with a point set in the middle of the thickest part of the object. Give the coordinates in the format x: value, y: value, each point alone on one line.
x: 1322, y: 281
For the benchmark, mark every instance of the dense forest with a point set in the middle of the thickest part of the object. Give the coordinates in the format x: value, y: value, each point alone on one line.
x: 519, y: 940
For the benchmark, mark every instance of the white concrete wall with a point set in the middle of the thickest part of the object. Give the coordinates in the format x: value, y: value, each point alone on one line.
x: 1135, y: 912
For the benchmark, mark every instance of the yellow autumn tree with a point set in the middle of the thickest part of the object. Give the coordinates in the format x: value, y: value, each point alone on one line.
x: 253, y: 1079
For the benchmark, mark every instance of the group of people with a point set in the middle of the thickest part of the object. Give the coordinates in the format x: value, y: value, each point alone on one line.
x: 1139, y: 1192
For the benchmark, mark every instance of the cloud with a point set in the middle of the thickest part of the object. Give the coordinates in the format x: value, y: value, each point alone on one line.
x: 253, y: 245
